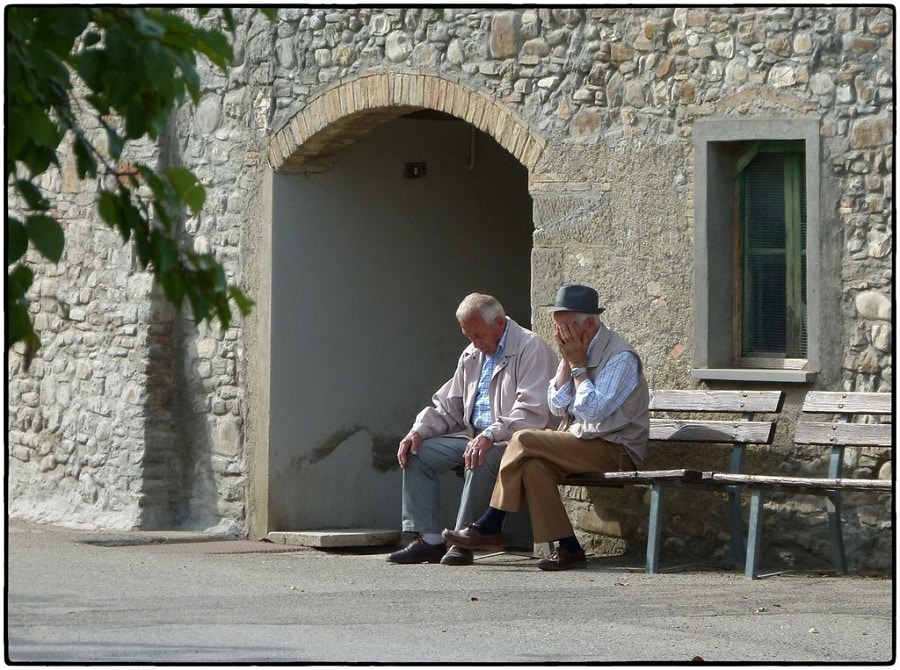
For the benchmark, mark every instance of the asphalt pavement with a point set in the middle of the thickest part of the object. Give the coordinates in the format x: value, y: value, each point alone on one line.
x: 75, y: 596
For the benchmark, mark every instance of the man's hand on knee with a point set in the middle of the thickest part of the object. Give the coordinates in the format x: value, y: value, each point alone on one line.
x: 475, y: 452
x: 408, y: 444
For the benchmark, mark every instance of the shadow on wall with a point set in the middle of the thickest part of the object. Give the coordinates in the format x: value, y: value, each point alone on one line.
x: 384, y: 448
x: 166, y: 462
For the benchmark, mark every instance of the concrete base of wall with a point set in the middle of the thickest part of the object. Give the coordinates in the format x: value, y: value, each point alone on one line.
x: 333, y: 539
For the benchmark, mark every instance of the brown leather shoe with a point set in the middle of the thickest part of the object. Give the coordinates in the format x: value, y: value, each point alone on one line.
x: 471, y: 538
x: 563, y: 559
x: 418, y: 551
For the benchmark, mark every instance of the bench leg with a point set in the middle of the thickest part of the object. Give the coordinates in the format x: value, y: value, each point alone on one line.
x: 754, y: 534
x: 736, y: 522
x: 833, y: 507
x: 655, y: 528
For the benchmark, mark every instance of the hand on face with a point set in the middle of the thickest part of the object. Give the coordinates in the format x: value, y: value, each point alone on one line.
x: 572, y: 340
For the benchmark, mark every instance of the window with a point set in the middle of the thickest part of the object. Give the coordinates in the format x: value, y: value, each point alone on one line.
x: 756, y: 215
x: 771, y: 194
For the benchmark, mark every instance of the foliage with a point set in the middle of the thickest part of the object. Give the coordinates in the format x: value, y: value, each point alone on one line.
x: 134, y: 67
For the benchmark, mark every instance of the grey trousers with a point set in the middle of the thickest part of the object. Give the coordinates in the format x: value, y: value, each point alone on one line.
x: 421, y: 486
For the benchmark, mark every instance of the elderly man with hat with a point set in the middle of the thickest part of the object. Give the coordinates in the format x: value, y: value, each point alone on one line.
x: 600, y: 392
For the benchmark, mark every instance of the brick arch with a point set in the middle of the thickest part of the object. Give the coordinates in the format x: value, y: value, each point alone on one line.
x: 346, y: 111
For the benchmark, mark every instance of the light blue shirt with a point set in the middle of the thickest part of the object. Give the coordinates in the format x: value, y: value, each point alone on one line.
x: 595, y: 400
x: 481, y: 413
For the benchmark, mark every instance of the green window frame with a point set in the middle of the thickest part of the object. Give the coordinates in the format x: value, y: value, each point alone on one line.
x: 771, y: 195
x: 730, y: 155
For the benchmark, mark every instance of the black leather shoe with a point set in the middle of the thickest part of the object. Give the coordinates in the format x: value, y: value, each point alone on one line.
x: 457, y: 556
x: 563, y: 559
x: 419, y: 551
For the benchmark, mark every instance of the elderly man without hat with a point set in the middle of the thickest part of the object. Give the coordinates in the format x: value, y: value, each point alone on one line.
x: 600, y: 392
x: 499, y: 387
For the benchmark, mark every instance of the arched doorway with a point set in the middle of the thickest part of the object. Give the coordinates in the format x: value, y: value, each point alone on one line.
x: 377, y: 235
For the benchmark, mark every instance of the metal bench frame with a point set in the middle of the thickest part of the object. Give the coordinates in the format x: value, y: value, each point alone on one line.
x: 838, y: 434
x: 740, y: 432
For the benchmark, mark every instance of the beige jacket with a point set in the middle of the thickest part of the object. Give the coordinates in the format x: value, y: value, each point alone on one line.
x: 518, y: 390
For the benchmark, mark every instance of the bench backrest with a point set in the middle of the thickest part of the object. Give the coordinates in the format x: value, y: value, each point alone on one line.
x: 744, y: 429
x: 843, y: 430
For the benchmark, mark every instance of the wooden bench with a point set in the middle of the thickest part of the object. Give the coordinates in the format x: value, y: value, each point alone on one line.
x: 743, y: 429
x: 840, y: 431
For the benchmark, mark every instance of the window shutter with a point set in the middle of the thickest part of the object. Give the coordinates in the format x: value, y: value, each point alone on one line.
x: 771, y: 191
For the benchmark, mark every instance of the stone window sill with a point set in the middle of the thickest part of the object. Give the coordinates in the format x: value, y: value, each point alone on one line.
x: 754, y: 375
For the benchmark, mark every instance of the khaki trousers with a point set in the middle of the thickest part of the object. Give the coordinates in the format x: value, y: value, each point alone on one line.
x: 533, y: 465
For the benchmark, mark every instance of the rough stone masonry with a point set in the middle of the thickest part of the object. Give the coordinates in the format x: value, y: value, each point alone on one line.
x: 133, y: 417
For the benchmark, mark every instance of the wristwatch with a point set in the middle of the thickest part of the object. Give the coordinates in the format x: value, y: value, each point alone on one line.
x: 489, y: 434
x: 577, y: 372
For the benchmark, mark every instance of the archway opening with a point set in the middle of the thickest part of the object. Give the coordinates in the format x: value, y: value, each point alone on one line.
x: 370, y: 259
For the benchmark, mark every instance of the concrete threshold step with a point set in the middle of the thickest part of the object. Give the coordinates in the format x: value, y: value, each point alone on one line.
x: 335, y: 538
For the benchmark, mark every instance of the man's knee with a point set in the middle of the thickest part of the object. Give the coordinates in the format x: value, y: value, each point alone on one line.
x: 528, y: 439
x: 535, y: 470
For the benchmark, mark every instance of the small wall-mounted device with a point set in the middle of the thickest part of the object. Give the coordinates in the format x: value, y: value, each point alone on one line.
x: 415, y: 170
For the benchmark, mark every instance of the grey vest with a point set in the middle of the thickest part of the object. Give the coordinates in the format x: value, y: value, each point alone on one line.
x: 630, y: 424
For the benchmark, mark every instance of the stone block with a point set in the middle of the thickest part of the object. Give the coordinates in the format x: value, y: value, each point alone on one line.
x: 505, y: 35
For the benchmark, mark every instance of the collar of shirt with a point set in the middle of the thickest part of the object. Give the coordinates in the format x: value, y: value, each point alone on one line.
x: 502, y: 343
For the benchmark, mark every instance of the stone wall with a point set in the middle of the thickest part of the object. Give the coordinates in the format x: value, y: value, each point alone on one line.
x: 133, y: 417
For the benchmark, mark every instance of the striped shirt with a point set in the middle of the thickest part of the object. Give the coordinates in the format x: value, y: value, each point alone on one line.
x: 481, y: 413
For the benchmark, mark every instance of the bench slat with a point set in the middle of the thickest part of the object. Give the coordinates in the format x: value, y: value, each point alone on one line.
x: 665, y: 400
x: 836, y: 402
x: 601, y: 478
x: 743, y: 432
x: 848, y: 434
x: 814, y: 483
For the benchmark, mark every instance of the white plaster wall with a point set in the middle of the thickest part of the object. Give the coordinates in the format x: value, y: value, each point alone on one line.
x: 368, y: 269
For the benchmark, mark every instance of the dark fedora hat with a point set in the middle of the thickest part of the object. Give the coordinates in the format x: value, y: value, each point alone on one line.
x: 577, y: 298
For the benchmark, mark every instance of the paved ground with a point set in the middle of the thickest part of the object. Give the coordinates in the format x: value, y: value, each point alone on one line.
x: 84, y: 597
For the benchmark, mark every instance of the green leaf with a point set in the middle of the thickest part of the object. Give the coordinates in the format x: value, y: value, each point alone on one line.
x: 114, y: 142
x: 46, y: 235
x: 243, y: 303
x: 138, y: 66
x: 147, y: 26
x: 188, y: 187
x: 140, y: 229
x: 59, y: 27
x: 51, y: 67
x: 16, y: 240
x: 166, y: 252
x: 173, y: 287
x: 16, y: 135
x: 35, y: 138
x: 199, y: 304
x: 90, y: 64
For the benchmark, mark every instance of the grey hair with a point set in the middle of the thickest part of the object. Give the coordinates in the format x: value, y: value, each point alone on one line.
x: 581, y: 317
x: 486, y: 306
